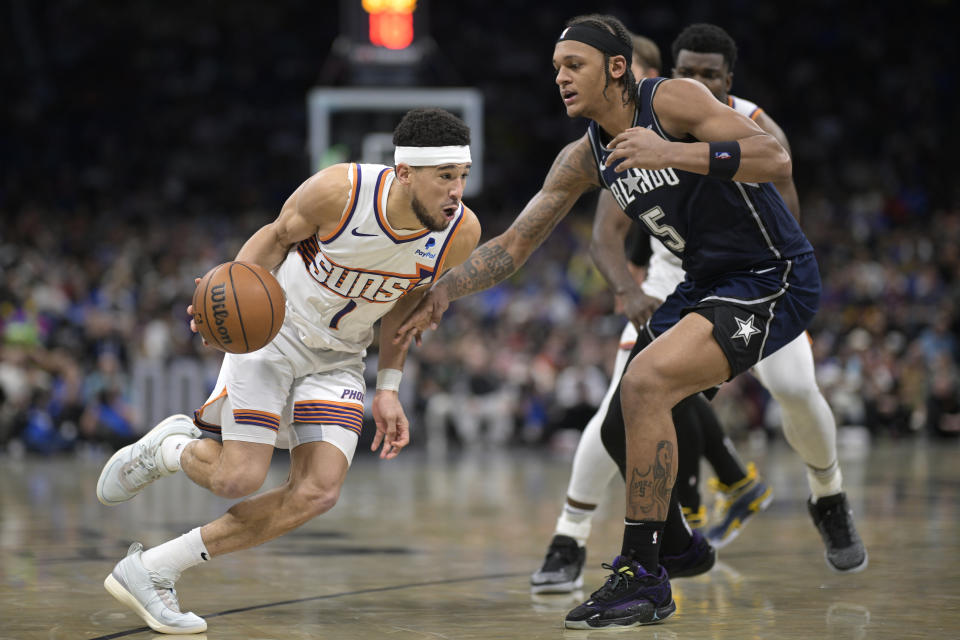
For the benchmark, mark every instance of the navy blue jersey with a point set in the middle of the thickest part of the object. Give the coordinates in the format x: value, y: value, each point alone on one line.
x: 715, y: 226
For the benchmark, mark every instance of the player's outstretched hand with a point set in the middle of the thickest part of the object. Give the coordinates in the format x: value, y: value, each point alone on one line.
x: 393, y: 428
x: 426, y: 315
x: 638, y: 148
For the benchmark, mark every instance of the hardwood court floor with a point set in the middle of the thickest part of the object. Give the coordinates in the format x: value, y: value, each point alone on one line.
x: 426, y: 549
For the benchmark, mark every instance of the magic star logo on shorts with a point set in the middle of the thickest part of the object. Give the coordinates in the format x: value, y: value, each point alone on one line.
x: 745, y: 329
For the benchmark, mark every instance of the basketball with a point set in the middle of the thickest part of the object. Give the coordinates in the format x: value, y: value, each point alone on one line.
x: 238, y: 307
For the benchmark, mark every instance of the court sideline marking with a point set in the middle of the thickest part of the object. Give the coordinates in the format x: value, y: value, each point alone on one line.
x: 412, y: 585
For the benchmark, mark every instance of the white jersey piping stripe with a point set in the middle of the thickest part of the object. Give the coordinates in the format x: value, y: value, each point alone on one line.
x: 649, y: 330
x: 351, y: 205
x: 740, y: 301
x: 756, y: 217
x: 653, y: 114
x: 594, y: 149
x: 786, y: 285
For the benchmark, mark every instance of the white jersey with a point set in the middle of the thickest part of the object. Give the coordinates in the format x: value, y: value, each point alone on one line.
x: 744, y: 107
x: 339, y: 285
x: 665, y: 271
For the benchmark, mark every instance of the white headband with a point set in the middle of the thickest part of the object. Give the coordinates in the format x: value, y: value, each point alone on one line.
x: 431, y: 156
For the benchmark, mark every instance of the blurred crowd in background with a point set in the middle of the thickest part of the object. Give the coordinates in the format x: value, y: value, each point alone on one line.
x: 139, y: 149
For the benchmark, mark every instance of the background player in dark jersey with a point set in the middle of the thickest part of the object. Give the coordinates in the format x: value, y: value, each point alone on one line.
x: 752, y: 280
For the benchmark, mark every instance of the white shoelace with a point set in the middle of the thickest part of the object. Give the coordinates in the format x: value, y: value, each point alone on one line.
x: 165, y: 590
x: 141, y: 470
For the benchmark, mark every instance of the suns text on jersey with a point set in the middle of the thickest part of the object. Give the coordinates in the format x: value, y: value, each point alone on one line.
x: 369, y: 285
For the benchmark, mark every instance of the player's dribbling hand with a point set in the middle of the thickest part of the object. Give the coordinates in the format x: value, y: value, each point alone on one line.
x: 193, y: 323
x: 637, y: 148
x: 393, y: 428
x: 426, y: 315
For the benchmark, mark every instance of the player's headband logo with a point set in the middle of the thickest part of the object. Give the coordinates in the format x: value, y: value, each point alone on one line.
x: 431, y: 156
x: 598, y: 39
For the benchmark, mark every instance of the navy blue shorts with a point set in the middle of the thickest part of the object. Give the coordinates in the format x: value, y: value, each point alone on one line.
x: 754, y: 312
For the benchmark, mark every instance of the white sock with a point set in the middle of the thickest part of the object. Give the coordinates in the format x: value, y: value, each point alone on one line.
x: 174, y: 556
x: 171, y: 449
x: 825, y: 482
x: 575, y: 523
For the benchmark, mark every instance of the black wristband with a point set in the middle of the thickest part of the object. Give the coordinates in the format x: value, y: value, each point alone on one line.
x: 724, y: 159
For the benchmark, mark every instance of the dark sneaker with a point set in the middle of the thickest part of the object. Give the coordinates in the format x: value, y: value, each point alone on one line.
x: 630, y: 597
x: 698, y: 558
x: 845, y: 552
x: 562, y: 570
x: 736, y: 505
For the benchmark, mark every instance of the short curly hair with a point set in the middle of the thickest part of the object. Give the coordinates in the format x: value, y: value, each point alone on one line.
x: 431, y: 127
x: 706, y: 38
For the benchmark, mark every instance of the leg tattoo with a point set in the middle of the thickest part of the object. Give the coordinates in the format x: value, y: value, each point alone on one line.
x: 649, y: 491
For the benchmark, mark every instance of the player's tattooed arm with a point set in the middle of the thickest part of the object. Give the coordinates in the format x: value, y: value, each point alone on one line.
x: 648, y: 496
x: 573, y: 172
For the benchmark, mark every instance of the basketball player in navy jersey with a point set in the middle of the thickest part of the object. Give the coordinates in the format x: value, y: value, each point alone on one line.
x: 685, y: 552
x: 696, y: 174
x: 707, y: 53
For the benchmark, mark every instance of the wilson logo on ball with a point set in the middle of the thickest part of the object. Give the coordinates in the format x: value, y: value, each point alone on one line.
x: 218, y: 296
x: 238, y: 307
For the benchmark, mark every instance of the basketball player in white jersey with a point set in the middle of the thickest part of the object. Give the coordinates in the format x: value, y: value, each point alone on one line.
x: 707, y: 53
x: 354, y: 243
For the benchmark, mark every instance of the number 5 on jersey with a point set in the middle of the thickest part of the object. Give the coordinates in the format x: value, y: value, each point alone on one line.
x: 667, y: 234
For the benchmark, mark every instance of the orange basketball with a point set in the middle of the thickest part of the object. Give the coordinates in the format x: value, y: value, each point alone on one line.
x: 238, y: 307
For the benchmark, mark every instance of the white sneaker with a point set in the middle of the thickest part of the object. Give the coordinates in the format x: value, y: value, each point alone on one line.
x: 151, y: 596
x: 136, y: 465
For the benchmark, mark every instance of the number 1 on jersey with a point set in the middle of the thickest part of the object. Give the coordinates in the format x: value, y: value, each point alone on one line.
x: 347, y: 308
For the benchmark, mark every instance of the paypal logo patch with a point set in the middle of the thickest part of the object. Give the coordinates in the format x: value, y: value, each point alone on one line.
x: 425, y: 252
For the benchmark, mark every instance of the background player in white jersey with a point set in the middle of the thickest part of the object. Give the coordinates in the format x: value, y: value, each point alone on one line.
x: 354, y: 243
x: 707, y: 53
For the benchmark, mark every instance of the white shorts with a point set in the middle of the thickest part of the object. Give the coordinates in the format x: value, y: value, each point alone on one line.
x: 287, y: 394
